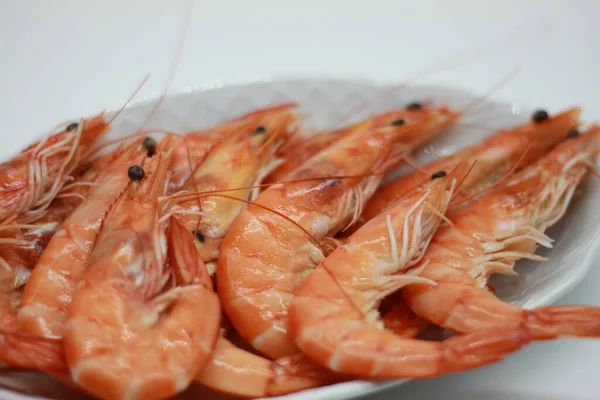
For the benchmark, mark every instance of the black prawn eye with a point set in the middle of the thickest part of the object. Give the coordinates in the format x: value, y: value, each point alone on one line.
x: 136, y: 173
x: 72, y: 127
x: 398, y: 122
x: 573, y: 134
x: 150, y: 145
x: 199, y: 236
x: 439, y: 174
x: 259, y: 130
x: 540, y: 116
x: 414, y: 106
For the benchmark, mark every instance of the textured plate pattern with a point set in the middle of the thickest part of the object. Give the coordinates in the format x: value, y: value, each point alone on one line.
x: 331, y: 103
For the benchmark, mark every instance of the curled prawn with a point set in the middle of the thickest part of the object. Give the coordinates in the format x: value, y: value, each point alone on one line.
x: 512, y: 149
x: 495, y: 156
x: 232, y: 369
x: 30, y: 181
x: 49, y: 290
x: 241, y: 160
x: 128, y: 335
x: 334, y: 313
x: 491, y: 234
x: 271, y: 246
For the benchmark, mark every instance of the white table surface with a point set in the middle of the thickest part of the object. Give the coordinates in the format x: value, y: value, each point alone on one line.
x: 66, y: 58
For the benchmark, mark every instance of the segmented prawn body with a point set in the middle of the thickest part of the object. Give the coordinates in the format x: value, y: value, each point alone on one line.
x: 270, y: 247
x: 30, y: 181
x: 231, y: 369
x: 491, y: 234
x: 334, y: 313
x: 494, y: 156
x: 49, y: 290
x: 30, y: 240
x: 242, y: 160
x: 33, y: 318
x: 512, y: 149
x: 123, y: 310
x: 191, y: 149
x: 426, y: 122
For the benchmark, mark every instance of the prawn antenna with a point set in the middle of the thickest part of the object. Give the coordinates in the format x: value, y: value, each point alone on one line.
x: 156, y: 104
x: 263, y: 185
x: 497, y: 86
x: 415, y: 166
x: 495, y: 184
x: 174, y: 65
x: 132, y: 136
x: 280, y: 214
x: 465, y: 176
x: 129, y: 99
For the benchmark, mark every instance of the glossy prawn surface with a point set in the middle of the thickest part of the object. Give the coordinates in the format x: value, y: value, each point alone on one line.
x: 17, y: 271
x: 128, y: 334
x: 334, y: 314
x: 191, y: 149
x: 494, y: 157
x: 241, y: 373
x: 30, y: 181
x: 24, y: 244
x: 270, y: 247
x: 240, y: 161
x: 48, y: 293
x: 425, y: 122
x: 491, y: 234
x: 512, y: 149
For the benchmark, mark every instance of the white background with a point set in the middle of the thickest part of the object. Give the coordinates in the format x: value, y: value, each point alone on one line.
x: 63, y: 59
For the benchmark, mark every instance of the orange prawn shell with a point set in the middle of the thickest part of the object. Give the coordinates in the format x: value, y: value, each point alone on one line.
x: 425, y: 124
x: 493, y: 156
x: 113, y: 329
x: 250, y: 153
x: 520, y: 210
x: 14, y: 174
x: 265, y: 256
x: 334, y: 311
x: 191, y: 149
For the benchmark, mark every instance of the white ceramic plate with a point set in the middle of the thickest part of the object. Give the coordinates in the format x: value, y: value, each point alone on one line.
x: 328, y: 103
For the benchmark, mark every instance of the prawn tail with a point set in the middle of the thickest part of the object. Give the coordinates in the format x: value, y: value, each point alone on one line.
x: 546, y: 323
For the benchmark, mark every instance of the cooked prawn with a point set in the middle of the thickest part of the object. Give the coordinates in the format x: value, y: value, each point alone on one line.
x: 192, y: 148
x: 49, y: 290
x: 334, y: 315
x: 230, y: 368
x: 241, y: 160
x: 29, y: 241
x: 265, y: 256
x: 491, y: 234
x: 126, y: 335
x: 495, y: 156
x: 31, y: 180
x: 514, y: 148
x: 426, y: 122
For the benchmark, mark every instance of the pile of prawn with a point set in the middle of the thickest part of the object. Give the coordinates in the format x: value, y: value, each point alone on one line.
x: 255, y: 261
